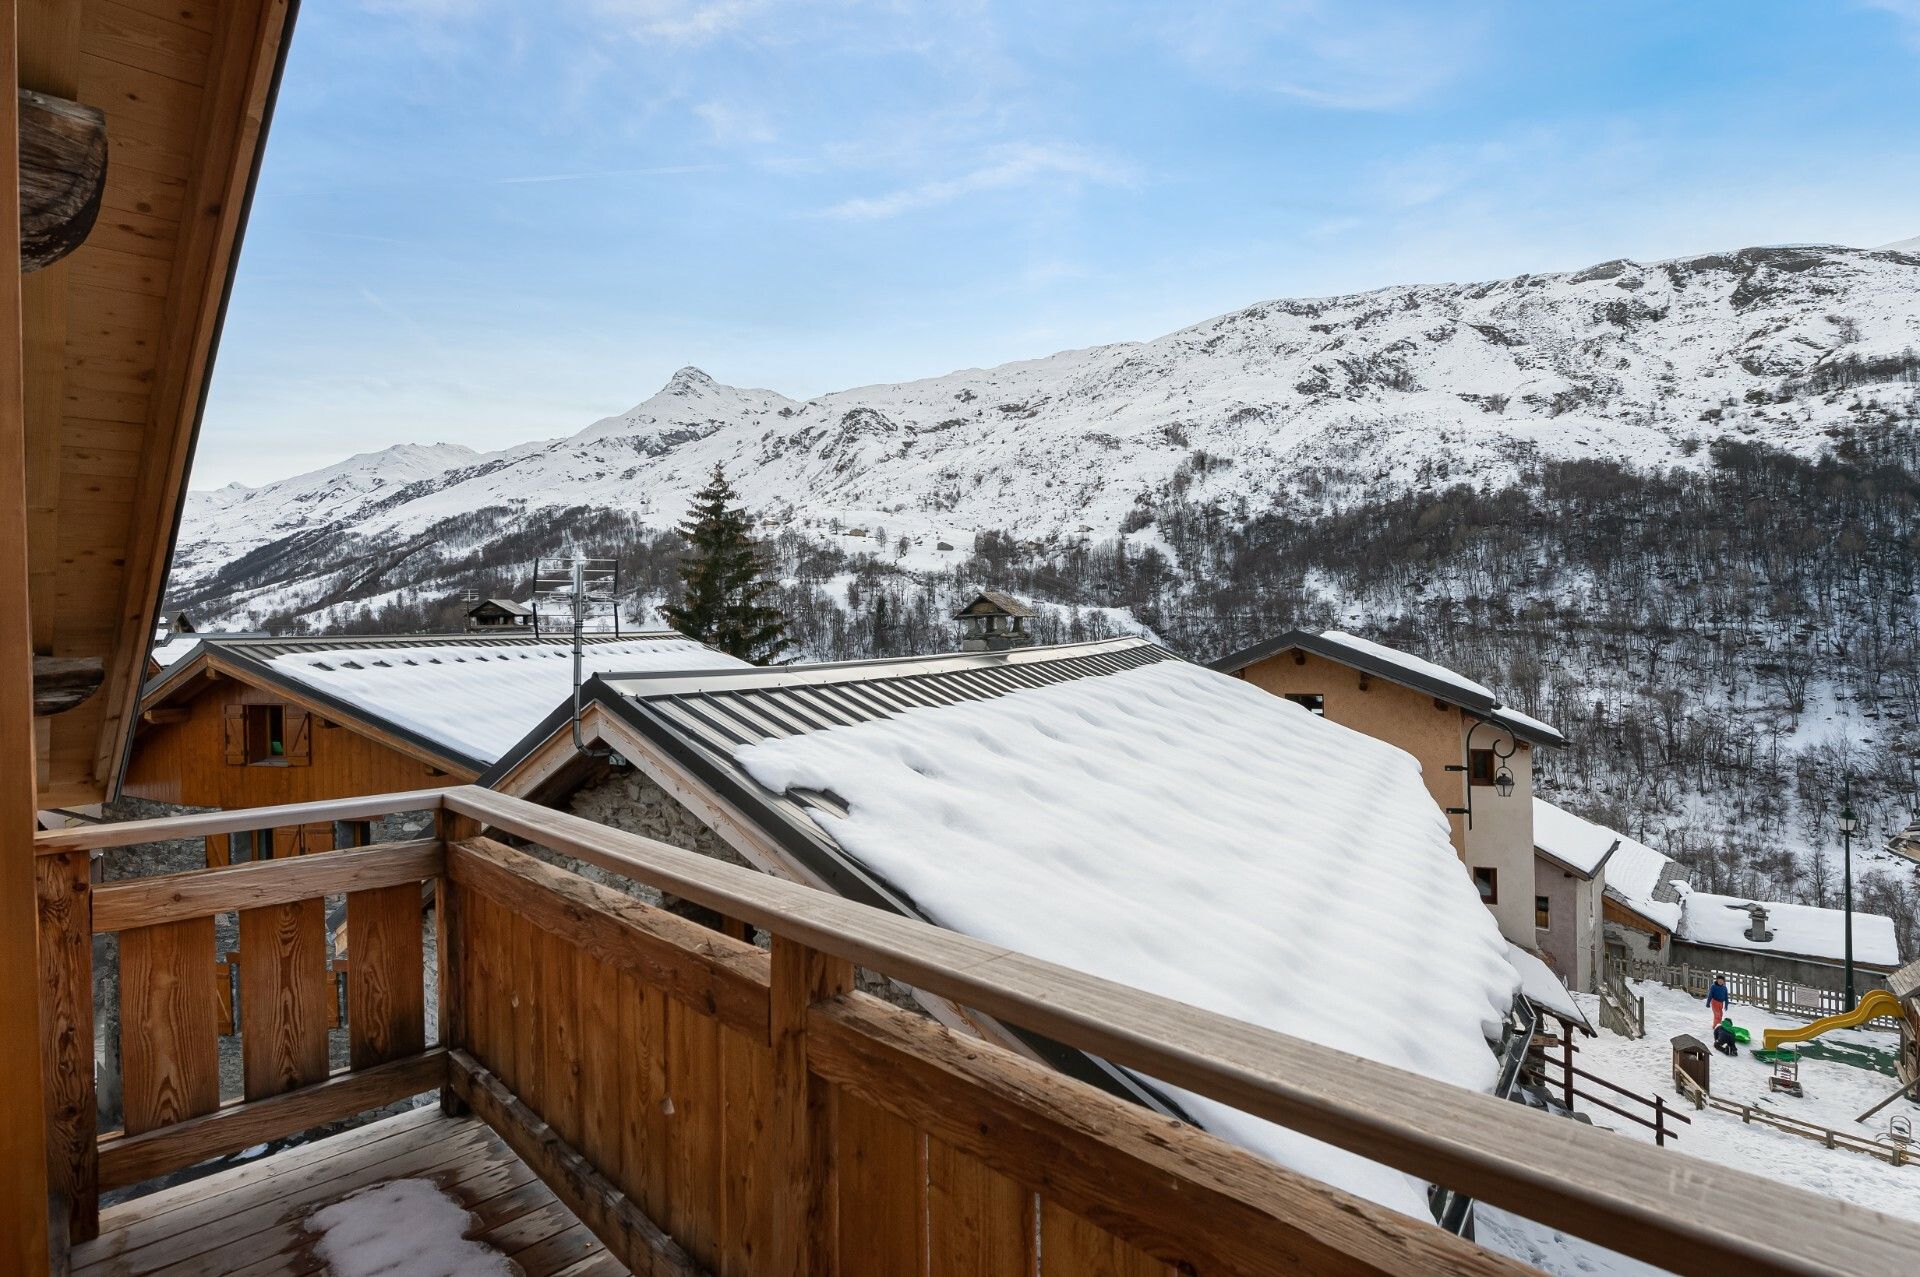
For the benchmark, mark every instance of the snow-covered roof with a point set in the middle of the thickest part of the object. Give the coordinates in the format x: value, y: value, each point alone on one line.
x: 1580, y: 845
x: 1407, y: 661
x: 1191, y: 835
x: 1798, y: 930
x: 1400, y: 667
x: 468, y: 697
x: 1542, y: 987
x: 1638, y: 876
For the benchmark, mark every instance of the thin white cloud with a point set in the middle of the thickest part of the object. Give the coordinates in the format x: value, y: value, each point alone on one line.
x: 679, y: 21
x: 1353, y: 55
x: 593, y: 175
x: 1015, y: 165
x: 733, y: 124
x: 1906, y: 15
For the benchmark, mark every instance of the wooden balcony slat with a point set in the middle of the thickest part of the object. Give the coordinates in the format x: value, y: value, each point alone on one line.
x: 711, y: 973
x: 169, y: 1029
x: 197, y: 893
x: 386, y: 975
x: 1587, y: 1182
x: 286, y: 994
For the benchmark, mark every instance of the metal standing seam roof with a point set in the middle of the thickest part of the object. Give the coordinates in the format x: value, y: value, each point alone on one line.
x: 700, y: 717
x: 1307, y: 641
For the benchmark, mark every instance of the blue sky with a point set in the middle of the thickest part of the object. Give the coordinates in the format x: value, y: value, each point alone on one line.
x: 487, y: 221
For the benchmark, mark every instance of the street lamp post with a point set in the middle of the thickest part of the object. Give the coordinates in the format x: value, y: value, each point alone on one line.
x: 1848, y: 823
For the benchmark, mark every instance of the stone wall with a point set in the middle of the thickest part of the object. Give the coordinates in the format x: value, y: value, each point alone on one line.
x: 625, y: 799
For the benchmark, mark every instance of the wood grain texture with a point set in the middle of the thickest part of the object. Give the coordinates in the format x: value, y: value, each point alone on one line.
x: 62, y: 682
x: 880, y: 1181
x: 128, y: 833
x: 128, y: 1159
x: 386, y: 975
x: 66, y: 1036
x: 978, y: 1221
x: 285, y: 989
x: 169, y: 1059
x: 802, y: 1120
x: 709, y: 972
x: 1591, y: 1183
x: 136, y: 902
x: 63, y: 175
x: 611, y: 1214
x: 1163, y: 1186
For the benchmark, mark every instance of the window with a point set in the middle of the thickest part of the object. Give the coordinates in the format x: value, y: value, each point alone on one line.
x: 1543, y: 913
x: 352, y: 833
x: 266, y: 733
x: 1481, y: 767
x: 1312, y: 702
x: 1488, y: 881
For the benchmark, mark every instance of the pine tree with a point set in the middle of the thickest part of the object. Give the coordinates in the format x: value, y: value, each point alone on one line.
x: 722, y: 585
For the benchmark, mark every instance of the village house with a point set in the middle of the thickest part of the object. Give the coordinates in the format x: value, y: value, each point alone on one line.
x: 1571, y: 857
x: 246, y: 721
x: 498, y: 614
x: 622, y: 1090
x: 1055, y: 810
x: 1475, y: 754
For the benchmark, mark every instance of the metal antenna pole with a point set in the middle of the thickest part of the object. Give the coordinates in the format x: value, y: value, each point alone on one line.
x: 579, y: 638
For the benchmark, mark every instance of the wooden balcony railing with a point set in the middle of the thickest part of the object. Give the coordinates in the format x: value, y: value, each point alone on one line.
x: 705, y: 1105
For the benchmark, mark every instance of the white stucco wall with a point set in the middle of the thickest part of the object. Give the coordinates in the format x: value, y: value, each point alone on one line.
x: 1502, y: 839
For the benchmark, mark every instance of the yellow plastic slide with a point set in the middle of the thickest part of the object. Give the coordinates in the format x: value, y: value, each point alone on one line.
x: 1877, y: 1002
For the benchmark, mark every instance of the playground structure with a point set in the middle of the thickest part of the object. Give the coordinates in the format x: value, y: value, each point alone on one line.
x: 1876, y: 1003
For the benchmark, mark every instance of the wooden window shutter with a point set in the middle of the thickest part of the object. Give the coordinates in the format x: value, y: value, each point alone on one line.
x: 236, y: 727
x: 299, y: 742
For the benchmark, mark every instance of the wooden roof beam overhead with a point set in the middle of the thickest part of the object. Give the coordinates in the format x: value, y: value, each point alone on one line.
x: 63, y: 176
x: 249, y: 45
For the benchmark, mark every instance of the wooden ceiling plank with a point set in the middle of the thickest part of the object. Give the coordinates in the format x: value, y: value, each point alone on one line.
x: 140, y: 102
x: 143, y: 37
x: 106, y: 405
x: 141, y: 234
x: 247, y: 43
x: 141, y: 190
x: 112, y: 269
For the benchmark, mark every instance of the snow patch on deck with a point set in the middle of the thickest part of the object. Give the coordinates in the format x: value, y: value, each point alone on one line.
x: 403, y: 1228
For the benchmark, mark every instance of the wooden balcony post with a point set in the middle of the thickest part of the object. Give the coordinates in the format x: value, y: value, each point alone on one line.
x: 66, y: 1036
x: 802, y: 1120
x: 451, y: 827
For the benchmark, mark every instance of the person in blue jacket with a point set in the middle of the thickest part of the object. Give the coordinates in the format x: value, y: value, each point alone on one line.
x: 1717, y: 1001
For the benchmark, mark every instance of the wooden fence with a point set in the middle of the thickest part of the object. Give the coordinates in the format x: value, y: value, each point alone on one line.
x: 1622, y: 1010
x: 1782, y: 997
x: 704, y: 1105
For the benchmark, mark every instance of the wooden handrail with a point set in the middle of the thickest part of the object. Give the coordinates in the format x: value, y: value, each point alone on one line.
x: 1587, y: 1182
x: 146, y: 902
x: 50, y: 842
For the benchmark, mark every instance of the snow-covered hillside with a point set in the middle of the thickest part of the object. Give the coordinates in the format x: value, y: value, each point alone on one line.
x: 1280, y: 403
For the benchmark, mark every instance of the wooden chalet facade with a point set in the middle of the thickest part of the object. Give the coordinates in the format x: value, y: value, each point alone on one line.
x: 618, y: 1089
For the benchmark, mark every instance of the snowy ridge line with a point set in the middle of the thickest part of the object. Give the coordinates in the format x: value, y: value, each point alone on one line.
x: 1284, y: 403
x: 1588, y: 1182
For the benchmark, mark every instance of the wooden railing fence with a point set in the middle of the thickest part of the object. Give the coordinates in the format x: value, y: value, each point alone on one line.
x: 707, y: 1105
x: 1560, y: 1074
x: 1622, y: 1010
x: 1783, y: 997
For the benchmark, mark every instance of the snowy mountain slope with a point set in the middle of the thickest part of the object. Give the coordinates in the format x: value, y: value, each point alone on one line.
x: 1283, y: 403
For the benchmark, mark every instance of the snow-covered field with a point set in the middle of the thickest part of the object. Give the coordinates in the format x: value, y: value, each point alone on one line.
x: 1836, y: 1093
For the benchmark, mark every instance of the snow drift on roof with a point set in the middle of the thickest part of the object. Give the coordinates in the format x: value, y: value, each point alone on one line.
x: 1186, y: 833
x: 1412, y: 664
x: 1805, y: 930
x: 1578, y: 843
x: 478, y: 701
x: 1542, y: 986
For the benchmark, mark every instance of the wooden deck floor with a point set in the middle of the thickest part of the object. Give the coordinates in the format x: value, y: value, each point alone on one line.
x: 250, y: 1220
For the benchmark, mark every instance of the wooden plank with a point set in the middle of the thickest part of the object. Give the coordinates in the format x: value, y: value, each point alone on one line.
x: 881, y: 1178
x: 978, y: 1221
x: 231, y: 114
x: 169, y: 1026
x: 386, y: 981
x: 602, y: 1064
x: 137, y: 902
x: 285, y: 988
x: 149, y: 1214
x: 66, y: 1035
x: 802, y: 1117
x: 24, y: 1234
x: 241, y: 1124
x: 558, y: 996
x: 1166, y: 1187
x: 1073, y: 1247
x: 748, y: 1243
x: 644, y: 1145
x: 1587, y: 1182
x: 128, y: 833
x: 696, y: 965
x: 612, y: 1215
x: 694, y: 1130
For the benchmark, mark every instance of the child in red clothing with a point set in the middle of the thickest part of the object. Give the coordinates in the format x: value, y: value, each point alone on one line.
x: 1717, y: 1001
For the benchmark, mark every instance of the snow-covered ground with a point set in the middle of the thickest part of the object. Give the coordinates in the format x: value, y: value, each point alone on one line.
x: 1836, y: 1092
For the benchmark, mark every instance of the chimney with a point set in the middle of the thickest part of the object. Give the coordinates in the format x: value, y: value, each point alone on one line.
x: 994, y: 622
x: 1757, y: 928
